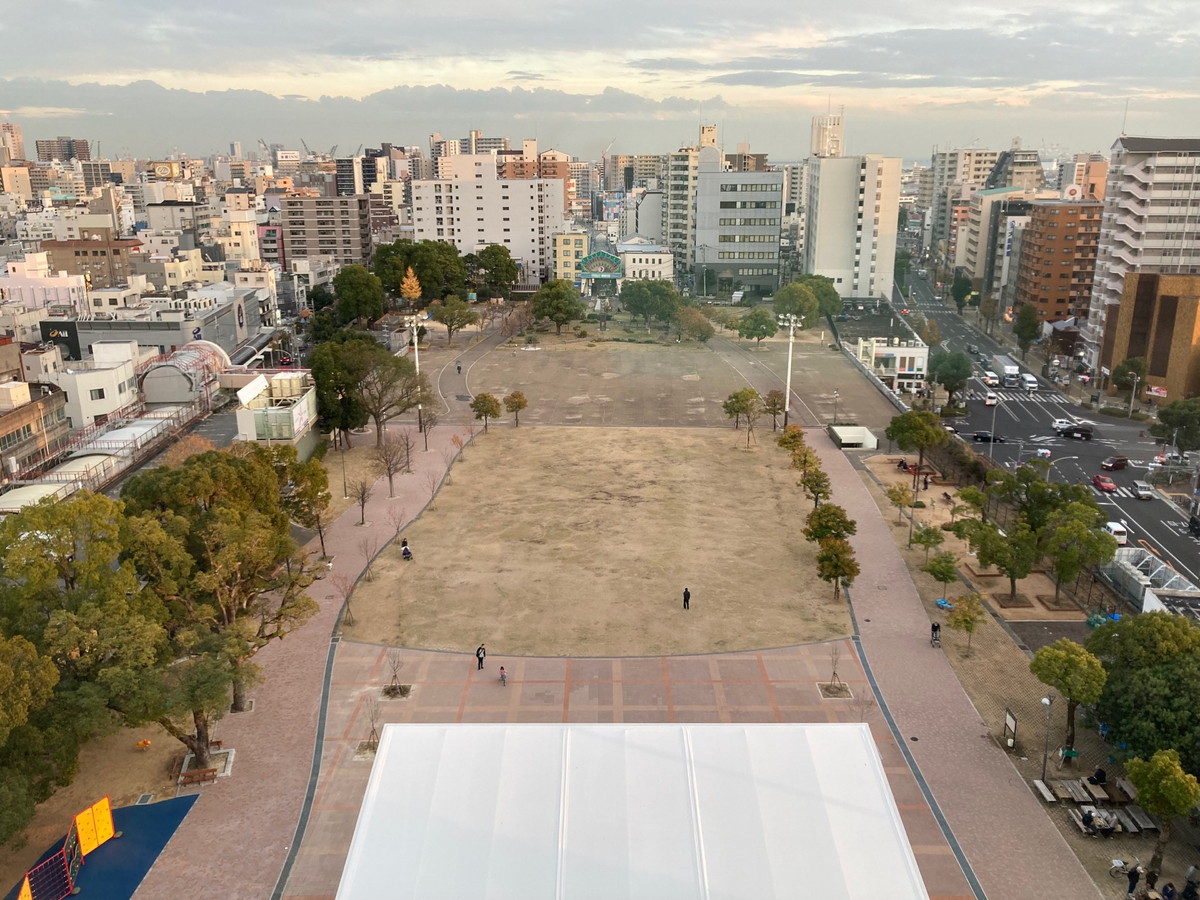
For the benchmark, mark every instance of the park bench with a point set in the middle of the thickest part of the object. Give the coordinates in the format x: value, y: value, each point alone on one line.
x: 198, y: 776
x: 1047, y: 794
x: 1141, y: 817
x: 177, y: 766
x: 1126, y: 821
x: 1077, y: 818
x: 215, y: 745
x: 1099, y: 794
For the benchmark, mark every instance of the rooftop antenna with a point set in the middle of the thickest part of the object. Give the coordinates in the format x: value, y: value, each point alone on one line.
x: 1125, y: 117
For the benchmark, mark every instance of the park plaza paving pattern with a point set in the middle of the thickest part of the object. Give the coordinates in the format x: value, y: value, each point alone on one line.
x: 668, y: 811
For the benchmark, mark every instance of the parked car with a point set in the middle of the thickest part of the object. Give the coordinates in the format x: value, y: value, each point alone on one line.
x: 1115, y: 462
x: 987, y: 437
x: 1104, y: 483
x: 1142, y: 490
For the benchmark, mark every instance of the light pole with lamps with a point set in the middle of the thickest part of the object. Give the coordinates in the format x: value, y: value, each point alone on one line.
x: 412, y: 322
x: 1133, y: 393
x: 992, y: 442
x: 1050, y: 469
x: 791, y: 323
x: 836, y: 398
x: 1048, y: 702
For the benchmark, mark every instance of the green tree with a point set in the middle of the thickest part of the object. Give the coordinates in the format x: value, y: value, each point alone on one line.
x: 360, y: 296
x: 337, y: 369
x: 1179, y: 424
x: 952, y: 371
x: 900, y: 496
x: 692, y: 324
x: 390, y: 387
x: 1027, y: 327
x: 828, y: 301
x: 988, y: 309
x: 646, y: 300
x: 960, y: 288
x: 485, y: 406
x: 817, y: 485
x: 1033, y: 497
x: 27, y: 682
x: 453, y: 312
x: 967, y: 616
x: 498, y: 270
x: 559, y: 302
x: 774, y: 405
x: 916, y: 430
x: 928, y: 536
x: 757, y: 324
x: 791, y: 438
x: 1072, y: 671
x: 514, y: 403
x: 836, y: 562
x: 943, y: 569
x: 1073, y: 540
x: 1014, y: 553
x: 1164, y: 789
x: 740, y: 404
x: 901, y: 268
x: 797, y: 299
x: 320, y: 297
x: 1129, y: 372
x: 829, y: 521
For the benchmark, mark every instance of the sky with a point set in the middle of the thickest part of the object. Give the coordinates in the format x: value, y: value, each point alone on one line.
x: 909, y: 76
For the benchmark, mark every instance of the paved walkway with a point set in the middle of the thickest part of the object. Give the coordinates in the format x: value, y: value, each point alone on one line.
x: 237, y: 839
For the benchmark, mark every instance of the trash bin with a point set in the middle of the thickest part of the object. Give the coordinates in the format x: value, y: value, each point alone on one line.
x: 1096, y: 399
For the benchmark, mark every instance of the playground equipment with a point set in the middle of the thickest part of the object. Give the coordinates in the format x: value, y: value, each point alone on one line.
x: 54, y: 878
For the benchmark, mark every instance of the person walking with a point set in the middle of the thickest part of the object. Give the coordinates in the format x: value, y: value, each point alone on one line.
x: 687, y: 599
x: 503, y: 677
x: 459, y: 369
x: 1135, y: 875
x: 479, y: 655
x: 926, y: 482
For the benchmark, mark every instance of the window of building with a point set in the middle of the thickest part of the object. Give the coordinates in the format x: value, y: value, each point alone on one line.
x: 96, y: 393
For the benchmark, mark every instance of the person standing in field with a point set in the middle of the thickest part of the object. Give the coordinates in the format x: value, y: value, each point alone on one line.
x: 687, y: 599
x: 479, y: 655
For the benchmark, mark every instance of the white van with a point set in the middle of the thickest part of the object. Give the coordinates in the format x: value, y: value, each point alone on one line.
x: 1029, y: 382
x: 1117, y: 530
x: 990, y: 378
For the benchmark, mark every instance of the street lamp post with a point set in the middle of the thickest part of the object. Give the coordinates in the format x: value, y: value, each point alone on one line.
x: 790, y: 322
x: 1133, y: 394
x: 412, y: 321
x: 836, y: 397
x: 1048, y: 702
x: 992, y: 442
x: 345, y: 491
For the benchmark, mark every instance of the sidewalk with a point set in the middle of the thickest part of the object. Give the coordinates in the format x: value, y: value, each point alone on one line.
x: 237, y: 837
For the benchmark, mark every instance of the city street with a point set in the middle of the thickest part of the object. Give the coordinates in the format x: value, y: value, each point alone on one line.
x: 1023, y: 420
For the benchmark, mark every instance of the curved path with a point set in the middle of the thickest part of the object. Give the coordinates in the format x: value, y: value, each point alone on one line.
x: 958, y: 794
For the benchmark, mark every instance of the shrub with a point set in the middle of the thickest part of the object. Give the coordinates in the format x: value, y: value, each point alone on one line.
x: 581, y: 333
x: 531, y: 339
x: 918, y: 504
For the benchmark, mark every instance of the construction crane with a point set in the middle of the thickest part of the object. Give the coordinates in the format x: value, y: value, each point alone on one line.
x: 304, y: 144
x: 265, y: 148
x: 333, y: 150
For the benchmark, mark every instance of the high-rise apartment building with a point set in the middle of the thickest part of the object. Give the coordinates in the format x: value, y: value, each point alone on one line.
x: 1058, y: 257
x: 1017, y: 168
x: 1150, y: 222
x: 828, y: 136
x: 851, y: 222
x: 12, y: 140
x: 952, y: 171
x: 1088, y: 170
x: 337, y: 227
x: 738, y: 223
x: 1158, y: 320
x: 63, y: 148
x: 682, y: 171
x: 474, y: 207
x: 99, y: 256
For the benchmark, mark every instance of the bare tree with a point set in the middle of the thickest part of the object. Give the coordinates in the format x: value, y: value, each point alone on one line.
x: 344, y: 586
x: 404, y: 438
x: 432, y: 481
x: 388, y: 458
x: 369, y: 546
x: 448, y: 454
x: 458, y: 443
x: 431, y: 422
x: 395, y: 663
x: 373, y: 717
x: 396, y: 517
x: 361, y: 492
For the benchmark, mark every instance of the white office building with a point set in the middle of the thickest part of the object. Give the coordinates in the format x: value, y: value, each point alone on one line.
x: 1150, y: 223
x: 739, y: 217
x: 473, y: 207
x: 850, y: 224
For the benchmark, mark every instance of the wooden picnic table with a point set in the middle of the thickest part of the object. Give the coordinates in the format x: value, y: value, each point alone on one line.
x: 1141, y: 817
x: 1126, y: 820
x: 1099, y: 794
x: 1076, y: 790
x: 1127, y: 787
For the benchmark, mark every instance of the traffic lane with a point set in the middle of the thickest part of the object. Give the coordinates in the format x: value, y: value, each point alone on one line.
x: 1154, y: 521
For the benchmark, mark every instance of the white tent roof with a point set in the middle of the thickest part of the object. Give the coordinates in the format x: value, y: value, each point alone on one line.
x: 489, y: 812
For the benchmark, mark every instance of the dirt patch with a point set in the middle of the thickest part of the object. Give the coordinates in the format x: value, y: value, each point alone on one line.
x: 585, y: 547
x: 1007, y: 600
x: 1062, y: 603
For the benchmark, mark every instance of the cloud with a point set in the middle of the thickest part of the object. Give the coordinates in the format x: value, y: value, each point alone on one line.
x: 42, y: 112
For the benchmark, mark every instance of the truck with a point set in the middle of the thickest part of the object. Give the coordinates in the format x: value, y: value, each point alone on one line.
x: 1008, y: 371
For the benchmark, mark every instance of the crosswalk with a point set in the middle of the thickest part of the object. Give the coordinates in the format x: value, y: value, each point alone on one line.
x: 1123, y: 492
x: 1017, y: 396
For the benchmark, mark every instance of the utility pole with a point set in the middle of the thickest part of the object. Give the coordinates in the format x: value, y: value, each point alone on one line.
x: 790, y: 322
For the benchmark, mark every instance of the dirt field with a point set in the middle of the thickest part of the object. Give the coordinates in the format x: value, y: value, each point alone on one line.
x: 585, y: 547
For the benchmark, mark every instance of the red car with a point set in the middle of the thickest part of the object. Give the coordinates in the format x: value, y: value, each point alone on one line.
x: 1104, y: 483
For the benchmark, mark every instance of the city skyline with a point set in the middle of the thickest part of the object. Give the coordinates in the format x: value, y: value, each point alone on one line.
x: 641, y: 77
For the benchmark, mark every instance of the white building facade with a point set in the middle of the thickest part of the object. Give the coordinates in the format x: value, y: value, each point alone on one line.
x: 474, y: 207
x: 851, y: 223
